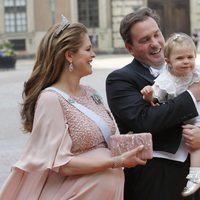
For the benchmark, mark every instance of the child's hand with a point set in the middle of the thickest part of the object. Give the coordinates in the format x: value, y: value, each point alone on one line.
x: 154, y: 103
x: 147, y: 93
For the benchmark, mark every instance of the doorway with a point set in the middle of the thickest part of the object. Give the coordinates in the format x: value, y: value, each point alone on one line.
x: 174, y: 15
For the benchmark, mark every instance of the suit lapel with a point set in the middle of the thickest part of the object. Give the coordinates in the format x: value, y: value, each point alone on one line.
x: 142, y: 71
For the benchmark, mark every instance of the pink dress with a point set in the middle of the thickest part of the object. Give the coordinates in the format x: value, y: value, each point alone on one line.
x: 60, y: 131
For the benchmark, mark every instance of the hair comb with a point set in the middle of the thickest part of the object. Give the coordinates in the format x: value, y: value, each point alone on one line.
x: 177, y: 36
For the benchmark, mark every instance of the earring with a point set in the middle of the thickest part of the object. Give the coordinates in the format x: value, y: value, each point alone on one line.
x: 71, y: 67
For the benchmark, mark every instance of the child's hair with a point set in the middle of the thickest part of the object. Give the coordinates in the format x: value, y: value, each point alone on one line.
x: 180, y: 39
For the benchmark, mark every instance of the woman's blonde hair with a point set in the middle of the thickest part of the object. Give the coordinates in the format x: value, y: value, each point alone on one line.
x: 49, y: 64
x: 178, y: 39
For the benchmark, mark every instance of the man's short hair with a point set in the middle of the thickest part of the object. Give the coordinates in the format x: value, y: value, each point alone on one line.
x: 132, y: 18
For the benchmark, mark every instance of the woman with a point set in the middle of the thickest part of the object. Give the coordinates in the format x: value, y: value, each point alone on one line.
x: 67, y: 156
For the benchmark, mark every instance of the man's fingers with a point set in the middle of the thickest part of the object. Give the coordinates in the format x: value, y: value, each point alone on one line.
x: 188, y: 126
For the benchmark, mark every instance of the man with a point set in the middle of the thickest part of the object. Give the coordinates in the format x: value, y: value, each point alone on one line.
x: 163, y: 177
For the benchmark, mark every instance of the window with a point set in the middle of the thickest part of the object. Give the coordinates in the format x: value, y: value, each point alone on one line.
x: 88, y: 13
x: 20, y: 3
x: 15, y: 15
x: 8, y: 3
x: 19, y: 44
x: 94, y: 40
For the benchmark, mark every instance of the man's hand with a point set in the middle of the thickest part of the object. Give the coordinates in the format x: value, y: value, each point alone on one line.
x: 195, y: 89
x: 191, y: 134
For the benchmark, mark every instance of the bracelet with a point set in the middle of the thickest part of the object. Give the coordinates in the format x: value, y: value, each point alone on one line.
x: 117, y: 162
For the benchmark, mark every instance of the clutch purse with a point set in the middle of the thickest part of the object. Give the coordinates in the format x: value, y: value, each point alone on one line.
x: 123, y: 143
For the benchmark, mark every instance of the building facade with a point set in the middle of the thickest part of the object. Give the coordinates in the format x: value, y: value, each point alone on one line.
x: 24, y: 22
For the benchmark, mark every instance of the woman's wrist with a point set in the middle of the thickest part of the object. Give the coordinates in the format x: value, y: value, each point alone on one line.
x: 117, y: 162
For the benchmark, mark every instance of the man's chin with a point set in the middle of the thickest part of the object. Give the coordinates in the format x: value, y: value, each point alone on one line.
x: 157, y: 63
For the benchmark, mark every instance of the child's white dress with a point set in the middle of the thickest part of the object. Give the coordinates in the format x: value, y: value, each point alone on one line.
x: 168, y: 86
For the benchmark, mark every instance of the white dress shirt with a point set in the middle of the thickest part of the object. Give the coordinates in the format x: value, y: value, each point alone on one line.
x: 156, y: 71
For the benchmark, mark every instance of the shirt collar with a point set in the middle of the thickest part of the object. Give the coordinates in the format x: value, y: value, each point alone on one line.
x: 155, y: 71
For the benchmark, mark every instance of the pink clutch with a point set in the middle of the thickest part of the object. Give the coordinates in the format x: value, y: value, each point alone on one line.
x: 122, y: 143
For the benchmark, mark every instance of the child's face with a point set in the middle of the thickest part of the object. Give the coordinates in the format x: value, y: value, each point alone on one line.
x: 182, y: 60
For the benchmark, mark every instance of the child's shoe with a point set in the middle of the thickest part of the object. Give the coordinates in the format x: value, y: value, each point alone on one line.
x: 193, y: 183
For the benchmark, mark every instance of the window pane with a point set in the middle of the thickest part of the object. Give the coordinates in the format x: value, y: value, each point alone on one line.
x: 21, y: 22
x: 20, y: 2
x: 15, y: 16
x: 8, y: 3
x: 9, y: 22
x: 93, y: 13
x: 88, y: 12
x: 19, y: 44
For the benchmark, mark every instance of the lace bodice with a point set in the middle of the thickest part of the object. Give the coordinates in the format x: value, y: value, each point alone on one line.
x: 85, y: 134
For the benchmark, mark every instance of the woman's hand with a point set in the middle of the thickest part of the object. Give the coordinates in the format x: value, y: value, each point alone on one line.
x: 131, y: 159
x: 87, y: 163
x: 191, y: 134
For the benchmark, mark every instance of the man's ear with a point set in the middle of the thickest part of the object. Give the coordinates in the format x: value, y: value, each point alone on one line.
x: 68, y: 56
x: 129, y: 47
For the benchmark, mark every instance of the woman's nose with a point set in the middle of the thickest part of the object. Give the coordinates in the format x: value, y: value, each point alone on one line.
x: 93, y: 54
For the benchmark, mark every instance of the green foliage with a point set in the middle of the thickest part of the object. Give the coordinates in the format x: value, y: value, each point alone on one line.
x: 6, y: 49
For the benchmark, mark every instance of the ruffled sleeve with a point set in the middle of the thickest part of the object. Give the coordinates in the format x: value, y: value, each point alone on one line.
x: 196, y: 77
x: 49, y: 144
x: 164, y: 88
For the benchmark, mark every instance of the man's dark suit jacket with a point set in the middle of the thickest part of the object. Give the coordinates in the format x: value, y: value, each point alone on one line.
x: 132, y: 113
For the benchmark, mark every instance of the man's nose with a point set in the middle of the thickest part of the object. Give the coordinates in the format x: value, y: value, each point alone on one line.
x: 154, y: 42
